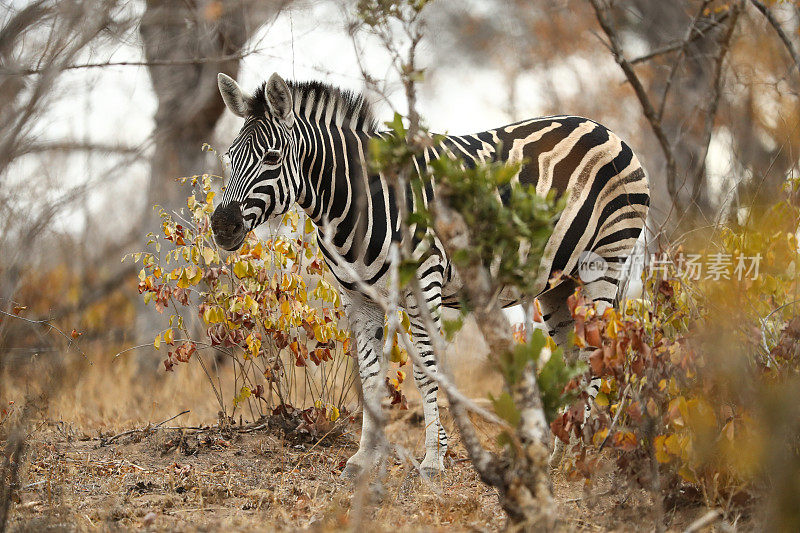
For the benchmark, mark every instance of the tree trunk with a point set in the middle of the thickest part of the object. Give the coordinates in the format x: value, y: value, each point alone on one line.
x: 196, y: 40
x: 186, y: 44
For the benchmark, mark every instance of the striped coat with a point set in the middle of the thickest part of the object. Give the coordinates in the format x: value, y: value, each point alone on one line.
x: 307, y: 144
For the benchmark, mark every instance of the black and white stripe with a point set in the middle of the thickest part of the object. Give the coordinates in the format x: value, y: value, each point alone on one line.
x: 308, y: 144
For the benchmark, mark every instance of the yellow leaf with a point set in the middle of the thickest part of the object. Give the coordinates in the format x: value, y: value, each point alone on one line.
x: 197, y: 275
x: 613, y: 329
x: 599, y: 437
x: 169, y: 336
x: 183, y: 280
x: 686, y: 473
x: 157, y: 341
x: 208, y: 255
x: 398, y: 355
x: 257, y: 250
x: 673, y: 387
x: 601, y: 399
x: 251, y: 304
x: 661, y: 455
x: 244, y: 394
x: 673, y: 445
x: 286, y: 308
x: 405, y: 321
x: 253, y: 344
x: 240, y: 269
x: 309, y: 226
x: 281, y: 246
x: 334, y: 414
x: 701, y: 415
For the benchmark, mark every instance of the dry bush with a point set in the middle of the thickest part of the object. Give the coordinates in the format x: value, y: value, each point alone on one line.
x: 700, y: 377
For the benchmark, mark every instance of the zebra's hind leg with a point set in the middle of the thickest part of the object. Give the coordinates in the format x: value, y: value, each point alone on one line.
x: 557, y: 317
x: 559, y: 322
x: 555, y: 312
x: 435, y: 434
x: 366, y: 324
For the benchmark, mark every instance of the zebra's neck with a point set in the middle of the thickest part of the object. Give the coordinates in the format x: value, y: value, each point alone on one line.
x: 333, y: 166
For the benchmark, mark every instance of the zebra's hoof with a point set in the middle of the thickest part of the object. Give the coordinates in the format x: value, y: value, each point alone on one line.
x: 431, y: 469
x: 355, y: 466
x: 557, y: 455
x: 430, y: 472
x: 351, y: 472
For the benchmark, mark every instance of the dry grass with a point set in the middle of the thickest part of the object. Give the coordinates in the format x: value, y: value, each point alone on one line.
x: 180, y: 480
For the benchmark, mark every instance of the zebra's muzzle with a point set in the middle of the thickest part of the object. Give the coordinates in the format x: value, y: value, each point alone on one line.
x: 228, y: 226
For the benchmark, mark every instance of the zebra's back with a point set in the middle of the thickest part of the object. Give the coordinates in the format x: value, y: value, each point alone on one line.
x: 607, y: 187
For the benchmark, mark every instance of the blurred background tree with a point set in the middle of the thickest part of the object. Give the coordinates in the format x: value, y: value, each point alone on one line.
x: 107, y: 100
x: 552, y: 53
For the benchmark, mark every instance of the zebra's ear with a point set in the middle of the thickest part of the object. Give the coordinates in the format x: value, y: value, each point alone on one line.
x: 279, y: 99
x: 234, y: 97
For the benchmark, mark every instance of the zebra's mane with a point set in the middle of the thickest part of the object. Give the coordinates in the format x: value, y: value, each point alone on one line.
x: 346, y: 108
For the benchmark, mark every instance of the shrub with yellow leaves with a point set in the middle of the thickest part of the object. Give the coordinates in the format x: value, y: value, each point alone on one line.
x: 269, y: 308
x: 700, y: 379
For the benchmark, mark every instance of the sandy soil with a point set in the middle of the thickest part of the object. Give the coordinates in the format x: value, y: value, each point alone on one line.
x: 75, y: 477
x: 190, y: 480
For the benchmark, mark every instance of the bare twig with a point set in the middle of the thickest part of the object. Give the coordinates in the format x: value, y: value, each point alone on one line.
x: 711, y: 114
x: 142, y: 430
x: 694, y: 34
x: 620, y: 408
x: 676, y: 65
x: 641, y: 94
x: 709, y: 518
x: 151, y: 63
x: 44, y: 322
x: 77, y: 146
x: 779, y: 30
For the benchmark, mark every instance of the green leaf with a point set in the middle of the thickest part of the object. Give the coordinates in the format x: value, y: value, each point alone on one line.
x: 552, y: 379
x: 406, y: 271
x: 451, y: 327
x: 505, y: 408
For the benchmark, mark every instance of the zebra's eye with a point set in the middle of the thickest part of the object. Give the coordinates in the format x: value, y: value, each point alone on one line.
x: 272, y: 158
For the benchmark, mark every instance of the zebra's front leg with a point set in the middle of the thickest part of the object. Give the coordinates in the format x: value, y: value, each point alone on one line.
x: 435, y: 434
x: 366, y: 324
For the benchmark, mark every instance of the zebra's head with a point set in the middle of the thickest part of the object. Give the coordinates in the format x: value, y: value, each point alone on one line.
x: 263, y: 160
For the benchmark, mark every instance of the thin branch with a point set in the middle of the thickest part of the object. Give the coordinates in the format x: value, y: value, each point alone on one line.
x: 695, y: 33
x: 148, y: 428
x: 70, y: 342
x: 676, y: 65
x: 152, y: 63
x: 77, y: 146
x: 641, y: 94
x: 779, y: 30
x: 711, y: 114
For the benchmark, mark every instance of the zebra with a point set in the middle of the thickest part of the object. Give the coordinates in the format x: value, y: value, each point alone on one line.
x: 306, y: 143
